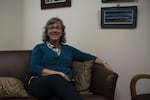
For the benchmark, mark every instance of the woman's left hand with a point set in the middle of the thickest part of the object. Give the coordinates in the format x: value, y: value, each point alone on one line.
x: 107, y: 66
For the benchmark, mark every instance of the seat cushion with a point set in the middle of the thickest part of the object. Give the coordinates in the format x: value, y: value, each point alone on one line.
x: 143, y: 97
x: 93, y: 97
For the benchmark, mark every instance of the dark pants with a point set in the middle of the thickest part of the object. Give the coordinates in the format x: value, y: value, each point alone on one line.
x: 53, y: 87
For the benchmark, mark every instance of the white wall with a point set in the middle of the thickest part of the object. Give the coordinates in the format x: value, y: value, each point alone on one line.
x: 127, y: 50
x: 10, y: 24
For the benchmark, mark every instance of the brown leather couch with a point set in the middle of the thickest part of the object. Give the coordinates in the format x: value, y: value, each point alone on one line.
x: 16, y: 64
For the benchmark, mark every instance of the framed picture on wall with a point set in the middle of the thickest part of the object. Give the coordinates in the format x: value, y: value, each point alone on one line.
x: 49, y: 4
x: 108, y: 1
x: 105, y: 1
x: 119, y: 17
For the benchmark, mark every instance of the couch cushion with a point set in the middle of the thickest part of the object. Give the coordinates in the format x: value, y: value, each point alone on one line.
x: 12, y: 87
x: 93, y: 97
x: 143, y: 97
x: 82, y: 72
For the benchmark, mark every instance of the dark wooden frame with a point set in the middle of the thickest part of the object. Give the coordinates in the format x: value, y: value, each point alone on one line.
x: 55, y: 5
x: 119, y: 17
x: 112, y: 1
x: 133, y: 84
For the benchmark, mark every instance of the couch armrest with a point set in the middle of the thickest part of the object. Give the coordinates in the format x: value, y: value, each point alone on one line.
x: 103, y: 82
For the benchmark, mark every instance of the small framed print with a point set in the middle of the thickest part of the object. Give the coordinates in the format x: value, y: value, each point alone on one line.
x: 49, y: 4
x: 105, y: 1
x: 112, y: 1
x: 119, y: 17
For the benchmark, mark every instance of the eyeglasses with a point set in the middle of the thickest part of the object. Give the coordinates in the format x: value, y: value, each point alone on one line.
x: 53, y: 27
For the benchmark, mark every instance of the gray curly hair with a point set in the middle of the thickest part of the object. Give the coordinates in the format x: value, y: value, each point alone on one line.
x: 52, y: 21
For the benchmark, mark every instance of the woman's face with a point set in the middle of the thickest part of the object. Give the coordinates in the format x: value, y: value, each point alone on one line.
x: 54, y: 31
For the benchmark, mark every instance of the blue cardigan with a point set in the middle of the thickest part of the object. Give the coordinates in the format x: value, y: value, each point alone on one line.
x: 44, y: 57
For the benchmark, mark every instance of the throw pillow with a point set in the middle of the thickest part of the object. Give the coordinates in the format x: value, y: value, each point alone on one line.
x: 11, y: 87
x: 82, y: 72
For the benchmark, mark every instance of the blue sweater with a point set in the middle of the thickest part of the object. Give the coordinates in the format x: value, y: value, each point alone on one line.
x: 44, y: 57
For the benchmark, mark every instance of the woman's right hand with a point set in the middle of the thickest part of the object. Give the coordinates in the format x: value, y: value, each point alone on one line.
x: 50, y: 72
x: 64, y: 76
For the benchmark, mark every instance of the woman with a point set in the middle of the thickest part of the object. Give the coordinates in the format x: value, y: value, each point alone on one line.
x: 51, y: 62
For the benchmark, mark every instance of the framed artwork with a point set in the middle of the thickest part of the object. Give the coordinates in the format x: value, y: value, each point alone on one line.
x: 49, y: 4
x: 119, y: 17
x: 105, y: 1
x: 108, y: 1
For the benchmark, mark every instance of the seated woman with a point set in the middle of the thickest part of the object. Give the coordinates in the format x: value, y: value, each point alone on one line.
x: 51, y: 62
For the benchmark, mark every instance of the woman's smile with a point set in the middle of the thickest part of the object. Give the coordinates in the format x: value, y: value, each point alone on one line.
x: 54, y: 31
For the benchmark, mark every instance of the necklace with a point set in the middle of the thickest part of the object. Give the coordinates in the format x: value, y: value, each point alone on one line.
x: 55, y: 49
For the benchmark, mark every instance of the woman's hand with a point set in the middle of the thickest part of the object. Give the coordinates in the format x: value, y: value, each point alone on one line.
x: 50, y: 72
x: 64, y: 76
x: 107, y: 66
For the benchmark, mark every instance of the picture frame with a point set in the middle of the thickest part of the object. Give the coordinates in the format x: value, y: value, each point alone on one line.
x: 112, y: 1
x: 105, y: 1
x: 50, y: 4
x: 119, y: 17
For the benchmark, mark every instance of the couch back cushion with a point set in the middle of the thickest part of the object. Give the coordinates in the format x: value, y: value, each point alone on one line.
x: 15, y: 64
